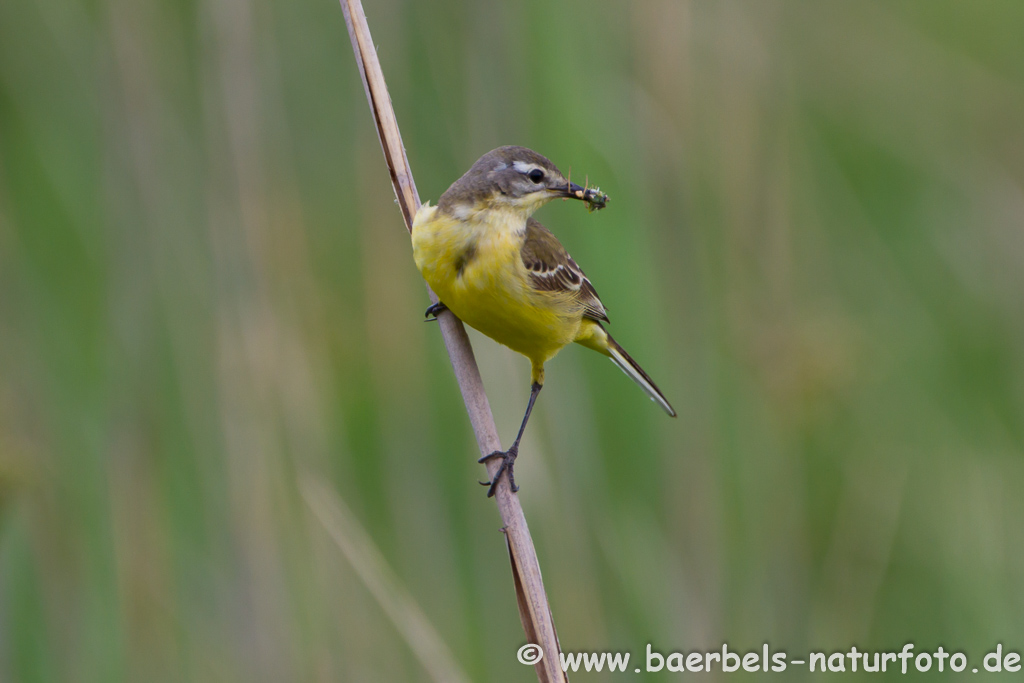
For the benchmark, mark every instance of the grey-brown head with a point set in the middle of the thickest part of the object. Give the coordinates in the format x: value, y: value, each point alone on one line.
x: 514, y: 178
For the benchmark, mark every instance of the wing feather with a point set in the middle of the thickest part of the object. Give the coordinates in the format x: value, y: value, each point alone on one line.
x: 553, y: 270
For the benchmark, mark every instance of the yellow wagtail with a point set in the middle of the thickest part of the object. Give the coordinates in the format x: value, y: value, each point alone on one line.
x: 506, y: 275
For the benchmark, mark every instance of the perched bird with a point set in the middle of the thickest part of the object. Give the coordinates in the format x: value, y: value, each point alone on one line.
x: 506, y: 275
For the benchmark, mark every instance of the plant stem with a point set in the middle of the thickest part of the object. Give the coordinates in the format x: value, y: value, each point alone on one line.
x: 534, y: 610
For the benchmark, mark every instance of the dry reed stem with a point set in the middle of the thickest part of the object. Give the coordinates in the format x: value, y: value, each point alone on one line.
x: 534, y: 610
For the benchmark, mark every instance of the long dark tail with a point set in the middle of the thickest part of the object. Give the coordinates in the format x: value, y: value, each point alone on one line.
x: 637, y: 374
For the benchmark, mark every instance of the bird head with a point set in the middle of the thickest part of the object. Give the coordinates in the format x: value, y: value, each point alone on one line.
x: 516, y: 179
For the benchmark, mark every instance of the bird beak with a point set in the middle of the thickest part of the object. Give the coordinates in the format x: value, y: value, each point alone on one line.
x: 593, y: 196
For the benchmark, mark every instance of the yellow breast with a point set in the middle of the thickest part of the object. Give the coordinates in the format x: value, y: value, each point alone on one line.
x: 474, y: 266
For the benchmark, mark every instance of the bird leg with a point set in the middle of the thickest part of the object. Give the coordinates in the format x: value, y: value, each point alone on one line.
x: 435, y: 311
x: 508, y: 458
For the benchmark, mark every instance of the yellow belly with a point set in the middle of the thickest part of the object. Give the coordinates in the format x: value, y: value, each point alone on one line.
x: 475, y: 268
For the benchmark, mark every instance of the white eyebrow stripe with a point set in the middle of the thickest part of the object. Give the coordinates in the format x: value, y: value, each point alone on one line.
x: 501, y: 167
x: 523, y: 167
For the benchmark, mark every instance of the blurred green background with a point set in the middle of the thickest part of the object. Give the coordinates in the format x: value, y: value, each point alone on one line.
x: 210, y: 318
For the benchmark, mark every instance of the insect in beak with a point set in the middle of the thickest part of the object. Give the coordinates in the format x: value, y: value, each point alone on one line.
x: 592, y: 196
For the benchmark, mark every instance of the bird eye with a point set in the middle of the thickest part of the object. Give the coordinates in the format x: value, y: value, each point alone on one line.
x: 536, y: 175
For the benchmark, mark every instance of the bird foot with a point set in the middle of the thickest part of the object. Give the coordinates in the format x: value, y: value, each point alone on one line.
x: 508, y: 459
x: 434, y: 311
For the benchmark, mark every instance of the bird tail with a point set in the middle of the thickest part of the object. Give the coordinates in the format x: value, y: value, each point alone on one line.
x: 637, y: 374
x: 594, y: 336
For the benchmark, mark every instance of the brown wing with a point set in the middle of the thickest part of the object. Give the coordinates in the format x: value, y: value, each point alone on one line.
x: 553, y: 270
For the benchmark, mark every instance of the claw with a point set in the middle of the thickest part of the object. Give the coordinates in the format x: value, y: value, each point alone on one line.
x: 508, y: 459
x: 434, y: 310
